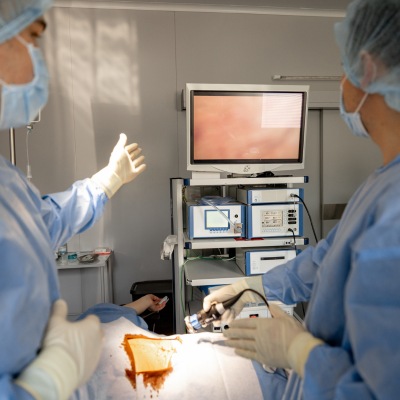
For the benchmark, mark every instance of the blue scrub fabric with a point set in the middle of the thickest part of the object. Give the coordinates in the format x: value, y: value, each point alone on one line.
x: 108, y: 312
x: 351, y: 279
x: 31, y: 229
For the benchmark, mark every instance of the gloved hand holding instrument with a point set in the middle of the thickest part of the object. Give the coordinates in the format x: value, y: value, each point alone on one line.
x: 228, y: 292
x: 222, y: 306
x: 278, y: 342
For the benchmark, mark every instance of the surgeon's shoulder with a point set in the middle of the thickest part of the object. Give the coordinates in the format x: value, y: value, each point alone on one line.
x: 384, y: 228
x: 388, y: 200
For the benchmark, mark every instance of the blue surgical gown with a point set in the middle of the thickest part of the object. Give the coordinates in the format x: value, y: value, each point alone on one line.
x: 352, y: 281
x: 31, y: 229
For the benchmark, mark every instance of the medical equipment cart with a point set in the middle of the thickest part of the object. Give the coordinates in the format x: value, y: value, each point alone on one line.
x: 205, y: 272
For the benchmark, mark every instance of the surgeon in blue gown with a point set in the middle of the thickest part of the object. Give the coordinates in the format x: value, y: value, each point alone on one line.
x: 42, y: 355
x: 349, y: 345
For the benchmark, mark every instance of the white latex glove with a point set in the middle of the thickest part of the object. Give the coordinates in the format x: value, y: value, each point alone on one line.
x: 124, y: 166
x: 280, y: 342
x: 70, y: 353
x: 228, y: 291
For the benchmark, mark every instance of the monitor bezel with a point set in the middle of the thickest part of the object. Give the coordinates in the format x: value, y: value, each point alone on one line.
x: 244, y: 167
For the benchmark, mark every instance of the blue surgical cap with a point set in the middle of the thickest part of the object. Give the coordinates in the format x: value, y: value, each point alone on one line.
x: 372, y: 27
x: 16, y: 15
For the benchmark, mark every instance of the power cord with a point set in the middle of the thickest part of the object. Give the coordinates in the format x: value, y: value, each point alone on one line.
x: 263, y: 298
x: 309, y: 215
x: 294, y: 239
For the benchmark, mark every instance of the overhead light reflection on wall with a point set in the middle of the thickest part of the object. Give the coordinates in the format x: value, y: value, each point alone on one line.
x: 116, y: 45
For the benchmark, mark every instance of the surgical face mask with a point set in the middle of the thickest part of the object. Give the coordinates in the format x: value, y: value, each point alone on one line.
x: 21, y: 103
x: 353, y: 120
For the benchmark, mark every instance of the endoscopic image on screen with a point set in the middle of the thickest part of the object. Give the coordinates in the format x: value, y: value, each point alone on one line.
x: 253, y: 126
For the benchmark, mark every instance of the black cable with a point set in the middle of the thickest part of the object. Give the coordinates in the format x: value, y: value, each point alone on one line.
x: 213, y: 314
x: 263, y: 298
x: 230, y: 302
x: 294, y: 239
x: 147, y: 315
x: 309, y: 215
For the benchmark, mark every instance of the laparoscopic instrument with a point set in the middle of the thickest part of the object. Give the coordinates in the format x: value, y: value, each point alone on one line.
x: 204, y: 318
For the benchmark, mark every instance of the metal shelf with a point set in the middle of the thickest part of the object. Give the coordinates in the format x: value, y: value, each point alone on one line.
x: 231, y: 243
x: 274, y: 180
x: 99, y: 263
x: 212, y: 272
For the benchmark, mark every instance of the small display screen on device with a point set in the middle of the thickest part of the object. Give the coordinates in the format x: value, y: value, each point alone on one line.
x: 214, y: 219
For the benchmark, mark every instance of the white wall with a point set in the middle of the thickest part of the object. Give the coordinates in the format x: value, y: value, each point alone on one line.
x: 123, y: 71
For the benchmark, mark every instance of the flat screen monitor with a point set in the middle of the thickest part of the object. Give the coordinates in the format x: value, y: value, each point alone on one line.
x: 245, y: 129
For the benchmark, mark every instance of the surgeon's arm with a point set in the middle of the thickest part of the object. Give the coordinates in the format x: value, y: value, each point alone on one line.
x: 80, y: 207
x: 293, y: 281
x: 290, y: 283
x: 365, y: 366
x: 73, y: 211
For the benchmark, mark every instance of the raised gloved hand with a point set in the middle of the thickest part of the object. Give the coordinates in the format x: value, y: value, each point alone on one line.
x: 228, y: 291
x: 280, y: 341
x: 124, y: 166
x: 70, y: 353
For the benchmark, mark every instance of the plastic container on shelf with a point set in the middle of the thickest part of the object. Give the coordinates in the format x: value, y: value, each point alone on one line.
x: 63, y: 254
x: 72, y: 258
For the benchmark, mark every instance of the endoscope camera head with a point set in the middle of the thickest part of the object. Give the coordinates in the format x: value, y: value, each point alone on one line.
x: 204, y: 318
